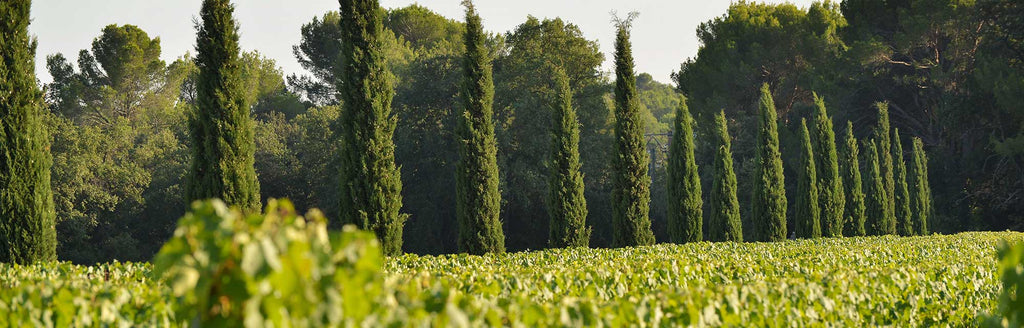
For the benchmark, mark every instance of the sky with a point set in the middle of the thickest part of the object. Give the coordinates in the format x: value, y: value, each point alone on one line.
x: 663, y: 36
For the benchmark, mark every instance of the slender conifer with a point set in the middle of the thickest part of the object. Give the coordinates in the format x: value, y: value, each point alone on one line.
x: 883, y: 140
x: 631, y: 184
x: 685, y: 207
x: 877, y: 217
x: 476, y: 180
x: 769, y: 194
x: 830, y: 184
x: 904, y: 220
x: 921, y: 194
x: 567, y: 206
x: 854, y: 215
x: 807, y: 218
x: 371, y: 183
x: 725, y: 206
x: 27, y: 217
x: 223, y: 146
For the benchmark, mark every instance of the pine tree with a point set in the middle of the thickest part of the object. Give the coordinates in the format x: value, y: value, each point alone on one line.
x: 223, y: 146
x: 808, y: 214
x: 371, y: 183
x: 904, y: 225
x: 877, y: 218
x: 883, y: 139
x: 920, y: 197
x: 830, y: 183
x: 854, y: 215
x: 685, y: 207
x: 478, y: 200
x: 567, y: 205
x: 631, y: 184
x: 725, y: 224
x: 27, y: 217
x: 769, y: 194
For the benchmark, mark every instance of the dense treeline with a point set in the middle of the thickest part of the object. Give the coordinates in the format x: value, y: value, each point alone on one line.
x: 950, y: 73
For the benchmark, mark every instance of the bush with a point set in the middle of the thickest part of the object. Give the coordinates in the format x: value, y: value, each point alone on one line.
x: 1011, y: 302
x: 274, y: 269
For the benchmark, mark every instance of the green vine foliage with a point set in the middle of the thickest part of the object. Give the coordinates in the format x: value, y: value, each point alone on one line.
x: 277, y: 269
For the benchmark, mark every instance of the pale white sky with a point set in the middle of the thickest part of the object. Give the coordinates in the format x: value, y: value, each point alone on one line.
x: 663, y: 36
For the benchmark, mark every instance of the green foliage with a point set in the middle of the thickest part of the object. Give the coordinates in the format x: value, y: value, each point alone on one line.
x: 904, y: 220
x: 724, y: 222
x: 854, y: 216
x: 807, y: 219
x: 769, y: 193
x: 27, y: 216
x: 280, y: 269
x: 920, y: 191
x: 118, y: 183
x: 116, y: 77
x: 832, y: 199
x: 877, y: 206
x: 1011, y: 301
x: 222, y: 130
x: 522, y: 73
x: 371, y: 185
x: 66, y: 295
x: 631, y: 189
x: 478, y: 203
x: 567, y: 207
x: 225, y: 268
x: 883, y: 140
x: 685, y: 207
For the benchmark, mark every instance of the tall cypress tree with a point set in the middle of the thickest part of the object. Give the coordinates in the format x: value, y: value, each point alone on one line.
x: 631, y: 189
x: 725, y: 224
x: 830, y: 183
x: 27, y: 217
x: 685, y: 207
x: 883, y: 139
x: 478, y: 201
x: 904, y: 225
x: 371, y: 183
x: 808, y: 214
x: 920, y: 196
x: 223, y: 149
x: 566, y: 205
x: 877, y: 224
x: 854, y: 215
x: 769, y: 194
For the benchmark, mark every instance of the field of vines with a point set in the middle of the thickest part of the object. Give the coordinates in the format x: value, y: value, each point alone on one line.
x: 223, y: 268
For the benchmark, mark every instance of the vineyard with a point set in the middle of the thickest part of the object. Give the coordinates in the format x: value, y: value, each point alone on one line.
x: 222, y: 266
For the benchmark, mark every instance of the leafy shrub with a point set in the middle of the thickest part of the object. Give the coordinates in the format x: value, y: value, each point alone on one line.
x: 1011, y: 302
x: 277, y: 269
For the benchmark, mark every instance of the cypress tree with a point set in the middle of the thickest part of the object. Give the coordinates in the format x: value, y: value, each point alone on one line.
x: 876, y: 201
x: 223, y: 149
x: 807, y: 216
x: 371, y: 184
x: 567, y: 205
x: 904, y: 225
x: 631, y: 189
x: 854, y: 215
x: 478, y: 200
x: 725, y: 224
x: 769, y: 194
x: 27, y: 217
x: 830, y: 183
x: 685, y: 207
x: 883, y: 139
x: 920, y: 197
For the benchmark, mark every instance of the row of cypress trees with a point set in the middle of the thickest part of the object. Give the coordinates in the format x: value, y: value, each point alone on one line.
x: 831, y: 199
x: 222, y: 129
x: 223, y: 152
